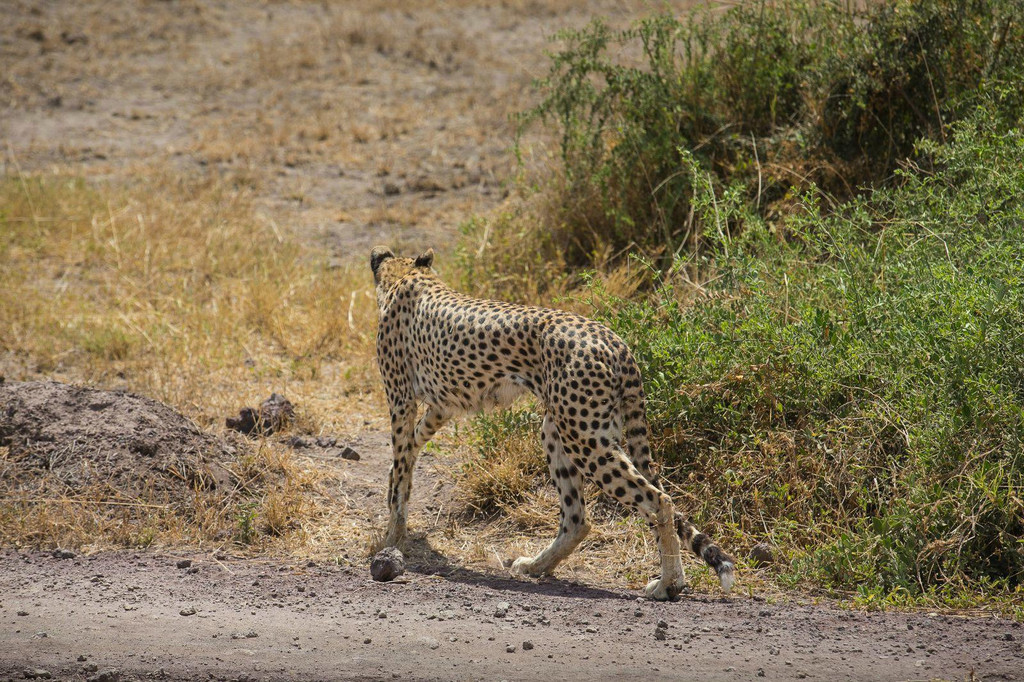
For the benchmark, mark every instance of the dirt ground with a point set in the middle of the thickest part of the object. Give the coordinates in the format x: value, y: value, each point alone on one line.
x: 142, y: 615
x: 217, y: 614
x: 354, y: 124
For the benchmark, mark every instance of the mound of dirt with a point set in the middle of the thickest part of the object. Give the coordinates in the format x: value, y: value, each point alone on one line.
x: 74, y: 438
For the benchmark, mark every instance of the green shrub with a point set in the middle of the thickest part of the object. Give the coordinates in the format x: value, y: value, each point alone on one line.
x: 863, y: 384
x: 771, y: 98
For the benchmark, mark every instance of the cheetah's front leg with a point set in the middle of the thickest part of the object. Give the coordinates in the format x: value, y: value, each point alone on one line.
x: 406, y: 443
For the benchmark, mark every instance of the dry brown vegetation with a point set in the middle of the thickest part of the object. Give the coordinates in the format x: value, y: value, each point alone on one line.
x: 188, y: 196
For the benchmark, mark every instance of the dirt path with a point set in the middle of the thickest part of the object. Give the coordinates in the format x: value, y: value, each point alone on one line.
x: 261, y: 620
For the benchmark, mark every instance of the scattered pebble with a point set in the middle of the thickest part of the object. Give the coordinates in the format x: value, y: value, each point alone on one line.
x: 184, y: 563
x: 367, y: 641
x: 502, y: 609
x: 188, y: 611
x: 345, y: 453
x: 111, y: 675
x: 37, y: 674
x: 660, y: 634
x: 63, y: 554
x: 527, y: 645
x: 662, y: 624
x: 510, y: 649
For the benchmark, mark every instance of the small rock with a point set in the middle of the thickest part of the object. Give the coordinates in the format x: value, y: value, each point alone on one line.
x: 502, y: 609
x: 82, y: 658
x: 37, y: 674
x: 761, y: 553
x: 298, y: 442
x: 63, y: 554
x: 663, y: 625
x: 184, y: 563
x: 343, y: 453
x: 510, y: 649
x: 367, y: 641
x: 110, y: 675
x: 391, y: 189
x: 387, y: 565
x: 1008, y: 637
x: 22, y: 613
x: 527, y: 645
x: 70, y: 38
x: 660, y: 634
x: 188, y: 611
x: 760, y: 672
x: 273, y: 414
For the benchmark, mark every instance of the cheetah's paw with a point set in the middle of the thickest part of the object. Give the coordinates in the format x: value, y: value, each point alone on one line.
x: 662, y: 590
x: 524, y: 566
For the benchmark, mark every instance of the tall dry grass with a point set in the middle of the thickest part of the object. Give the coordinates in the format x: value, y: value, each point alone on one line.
x: 173, y: 287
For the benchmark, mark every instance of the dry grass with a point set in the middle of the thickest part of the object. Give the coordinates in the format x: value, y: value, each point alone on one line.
x: 172, y: 288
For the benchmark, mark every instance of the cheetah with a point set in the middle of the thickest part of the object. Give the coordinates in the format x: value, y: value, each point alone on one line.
x: 456, y: 355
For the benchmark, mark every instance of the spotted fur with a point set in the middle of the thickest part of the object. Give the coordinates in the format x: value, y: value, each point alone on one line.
x: 457, y: 354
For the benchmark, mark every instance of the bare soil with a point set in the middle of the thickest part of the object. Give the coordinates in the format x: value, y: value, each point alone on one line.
x: 270, y: 620
x: 62, y: 439
x: 351, y: 124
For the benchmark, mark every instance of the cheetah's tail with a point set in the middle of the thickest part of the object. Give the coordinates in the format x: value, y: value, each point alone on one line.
x: 712, y: 554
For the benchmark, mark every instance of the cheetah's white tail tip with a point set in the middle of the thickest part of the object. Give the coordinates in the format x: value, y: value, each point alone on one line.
x: 725, y: 576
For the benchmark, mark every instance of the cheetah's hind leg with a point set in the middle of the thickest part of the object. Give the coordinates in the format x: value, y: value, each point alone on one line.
x: 573, y: 526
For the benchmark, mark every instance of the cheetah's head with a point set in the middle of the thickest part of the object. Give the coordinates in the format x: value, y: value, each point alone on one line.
x: 388, y: 269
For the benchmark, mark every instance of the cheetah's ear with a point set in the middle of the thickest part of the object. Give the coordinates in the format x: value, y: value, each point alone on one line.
x: 426, y: 259
x: 378, y: 256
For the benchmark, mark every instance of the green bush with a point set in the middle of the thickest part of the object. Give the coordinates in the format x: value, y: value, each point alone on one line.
x: 862, y: 386
x: 769, y: 98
